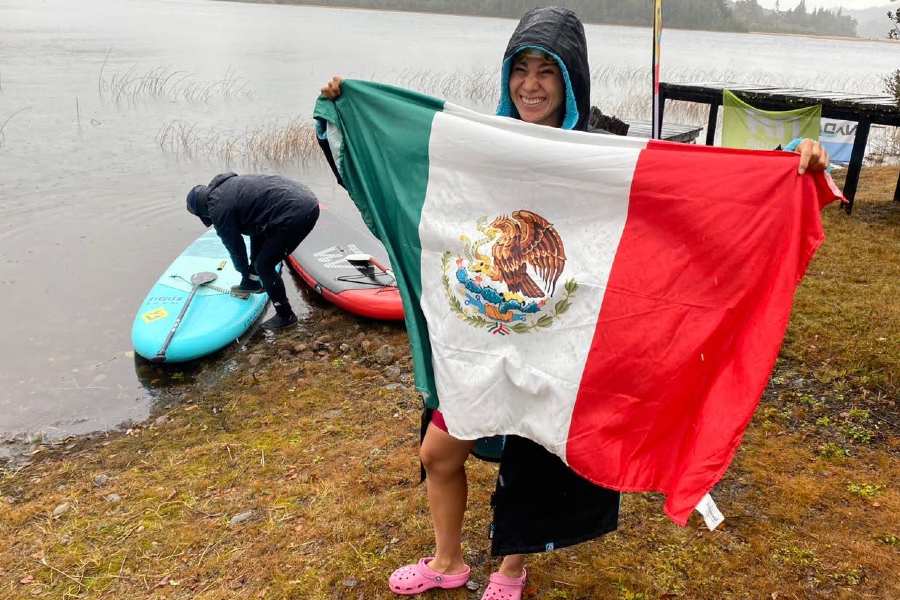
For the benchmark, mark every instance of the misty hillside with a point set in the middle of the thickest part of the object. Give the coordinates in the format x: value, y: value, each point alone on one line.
x: 873, y: 22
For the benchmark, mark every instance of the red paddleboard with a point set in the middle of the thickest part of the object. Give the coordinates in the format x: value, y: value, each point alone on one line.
x: 363, y: 287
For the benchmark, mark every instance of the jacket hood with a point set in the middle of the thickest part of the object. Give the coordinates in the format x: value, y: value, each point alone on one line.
x: 197, y: 203
x: 559, y: 33
x: 198, y: 197
x: 220, y: 179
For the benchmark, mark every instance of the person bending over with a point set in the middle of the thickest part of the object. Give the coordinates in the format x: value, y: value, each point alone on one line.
x: 275, y: 212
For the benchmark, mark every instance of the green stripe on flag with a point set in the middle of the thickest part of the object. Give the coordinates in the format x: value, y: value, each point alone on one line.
x: 384, y: 162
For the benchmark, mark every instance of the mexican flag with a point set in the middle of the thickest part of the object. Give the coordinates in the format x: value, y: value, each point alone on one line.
x: 619, y: 301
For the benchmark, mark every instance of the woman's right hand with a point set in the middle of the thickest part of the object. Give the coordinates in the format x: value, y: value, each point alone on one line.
x: 332, y: 89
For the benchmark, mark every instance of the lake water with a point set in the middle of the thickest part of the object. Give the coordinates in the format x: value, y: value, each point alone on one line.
x: 92, y: 199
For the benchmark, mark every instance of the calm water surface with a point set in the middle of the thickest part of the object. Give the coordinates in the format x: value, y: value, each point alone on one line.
x: 91, y: 207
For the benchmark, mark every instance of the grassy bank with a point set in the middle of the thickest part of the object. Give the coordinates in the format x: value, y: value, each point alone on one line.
x: 297, y: 476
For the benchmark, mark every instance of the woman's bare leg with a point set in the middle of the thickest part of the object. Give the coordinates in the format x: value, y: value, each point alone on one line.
x: 512, y: 565
x: 444, y: 458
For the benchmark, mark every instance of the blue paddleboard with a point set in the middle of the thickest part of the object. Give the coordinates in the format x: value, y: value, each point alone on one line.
x: 214, y: 318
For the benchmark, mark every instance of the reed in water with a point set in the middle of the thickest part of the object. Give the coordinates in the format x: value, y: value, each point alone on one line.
x: 618, y: 91
x: 160, y: 83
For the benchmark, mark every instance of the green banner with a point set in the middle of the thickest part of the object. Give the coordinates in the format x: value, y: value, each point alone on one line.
x: 744, y: 126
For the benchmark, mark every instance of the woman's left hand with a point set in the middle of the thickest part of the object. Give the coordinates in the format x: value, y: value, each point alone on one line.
x: 812, y: 156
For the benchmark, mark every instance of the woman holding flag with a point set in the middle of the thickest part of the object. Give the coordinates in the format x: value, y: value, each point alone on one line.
x: 539, y: 503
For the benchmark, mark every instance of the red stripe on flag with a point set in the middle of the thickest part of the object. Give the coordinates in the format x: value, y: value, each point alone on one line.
x: 698, y: 300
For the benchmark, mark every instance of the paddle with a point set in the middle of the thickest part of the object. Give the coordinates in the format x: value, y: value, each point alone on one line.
x: 197, y: 280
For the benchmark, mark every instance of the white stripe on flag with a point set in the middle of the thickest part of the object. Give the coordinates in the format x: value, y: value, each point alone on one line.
x: 579, y: 182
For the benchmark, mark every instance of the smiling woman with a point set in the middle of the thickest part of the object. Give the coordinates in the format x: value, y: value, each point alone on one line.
x: 544, y: 80
x: 537, y: 89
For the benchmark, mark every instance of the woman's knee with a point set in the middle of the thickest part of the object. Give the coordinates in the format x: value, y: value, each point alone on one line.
x: 437, y: 463
x: 441, y: 454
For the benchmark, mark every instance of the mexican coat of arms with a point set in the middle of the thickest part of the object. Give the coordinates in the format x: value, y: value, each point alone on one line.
x: 506, y: 278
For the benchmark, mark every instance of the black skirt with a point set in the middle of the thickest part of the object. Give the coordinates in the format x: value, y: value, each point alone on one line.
x: 540, y: 504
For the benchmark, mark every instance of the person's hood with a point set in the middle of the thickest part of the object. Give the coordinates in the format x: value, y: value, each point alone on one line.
x: 559, y: 33
x: 198, y: 197
x: 220, y: 179
x: 197, y: 203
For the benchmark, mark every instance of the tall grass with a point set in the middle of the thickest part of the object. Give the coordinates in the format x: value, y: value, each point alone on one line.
x: 293, y: 143
x: 884, y: 145
x: 160, y: 83
x: 618, y: 91
x: 477, y: 87
x: 624, y: 92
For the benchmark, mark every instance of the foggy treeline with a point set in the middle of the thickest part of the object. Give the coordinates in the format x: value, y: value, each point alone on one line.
x: 722, y: 15
x: 796, y: 20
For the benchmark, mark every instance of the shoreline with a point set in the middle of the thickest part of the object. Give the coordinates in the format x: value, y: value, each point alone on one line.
x: 19, y: 451
x: 840, y: 38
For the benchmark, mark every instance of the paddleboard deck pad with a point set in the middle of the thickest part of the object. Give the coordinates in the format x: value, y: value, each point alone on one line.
x: 321, y: 261
x: 215, y: 317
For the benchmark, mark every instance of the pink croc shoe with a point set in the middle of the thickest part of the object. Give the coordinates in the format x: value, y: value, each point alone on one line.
x: 415, y: 579
x: 501, y: 587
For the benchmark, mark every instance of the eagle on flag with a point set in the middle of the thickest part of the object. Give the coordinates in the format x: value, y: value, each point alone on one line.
x: 526, y: 238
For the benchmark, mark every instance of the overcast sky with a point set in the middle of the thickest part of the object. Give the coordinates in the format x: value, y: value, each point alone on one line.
x: 850, y: 4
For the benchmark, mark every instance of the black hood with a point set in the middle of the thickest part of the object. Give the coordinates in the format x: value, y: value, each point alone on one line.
x: 558, y: 32
x: 220, y: 179
x: 198, y: 197
x: 197, y: 203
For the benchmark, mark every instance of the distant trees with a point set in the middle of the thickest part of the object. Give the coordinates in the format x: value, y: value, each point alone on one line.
x: 699, y: 14
x: 721, y: 15
x: 797, y: 20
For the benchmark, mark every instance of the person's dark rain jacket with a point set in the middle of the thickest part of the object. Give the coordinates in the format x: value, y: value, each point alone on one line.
x: 539, y: 503
x: 249, y: 205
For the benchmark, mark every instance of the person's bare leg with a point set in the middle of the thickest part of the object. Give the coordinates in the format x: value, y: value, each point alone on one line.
x: 444, y: 458
x: 512, y: 565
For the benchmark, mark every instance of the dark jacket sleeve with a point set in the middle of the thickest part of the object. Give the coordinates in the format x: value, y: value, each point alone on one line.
x: 230, y: 234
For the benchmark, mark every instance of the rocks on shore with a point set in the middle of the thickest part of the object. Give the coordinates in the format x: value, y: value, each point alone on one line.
x: 241, y: 517
x: 322, y: 343
x: 385, y: 355
x: 61, y: 509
